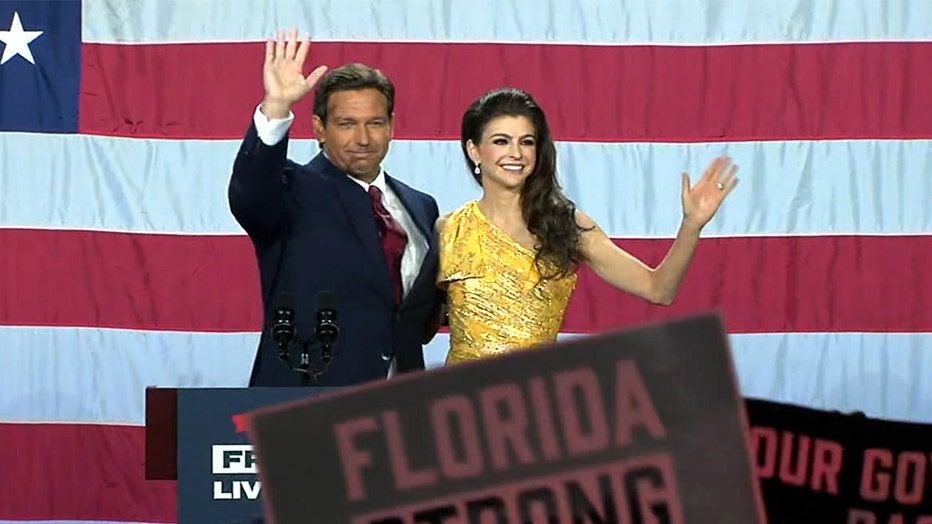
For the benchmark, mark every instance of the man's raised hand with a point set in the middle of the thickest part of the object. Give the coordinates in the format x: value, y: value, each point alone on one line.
x: 282, y: 74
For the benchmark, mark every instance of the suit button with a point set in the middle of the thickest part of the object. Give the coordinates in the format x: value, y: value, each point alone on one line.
x: 386, y: 357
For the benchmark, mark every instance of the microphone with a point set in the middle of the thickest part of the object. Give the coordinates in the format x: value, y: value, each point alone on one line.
x: 283, y: 325
x: 327, y: 328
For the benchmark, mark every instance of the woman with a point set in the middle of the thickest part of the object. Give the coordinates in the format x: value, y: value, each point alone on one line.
x: 508, y: 260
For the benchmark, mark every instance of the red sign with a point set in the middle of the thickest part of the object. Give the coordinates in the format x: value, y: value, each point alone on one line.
x: 638, y: 426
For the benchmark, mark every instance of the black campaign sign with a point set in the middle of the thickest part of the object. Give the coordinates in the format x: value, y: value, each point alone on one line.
x: 640, y: 426
x: 817, y: 466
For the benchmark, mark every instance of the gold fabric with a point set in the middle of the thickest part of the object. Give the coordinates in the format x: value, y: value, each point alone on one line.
x: 497, y: 300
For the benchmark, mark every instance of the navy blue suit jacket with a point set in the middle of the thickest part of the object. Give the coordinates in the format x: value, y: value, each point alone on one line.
x: 312, y: 229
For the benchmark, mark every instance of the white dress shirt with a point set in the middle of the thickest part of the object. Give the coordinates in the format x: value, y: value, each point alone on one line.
x: 272, y: 131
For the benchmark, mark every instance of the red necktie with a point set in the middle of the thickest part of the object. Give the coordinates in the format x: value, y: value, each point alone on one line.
x: 392, y: 238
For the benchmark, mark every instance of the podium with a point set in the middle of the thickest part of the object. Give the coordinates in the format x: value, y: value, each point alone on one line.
x: 192, y: 436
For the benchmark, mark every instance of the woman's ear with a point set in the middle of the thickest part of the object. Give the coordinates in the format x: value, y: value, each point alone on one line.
x: 473, y: 151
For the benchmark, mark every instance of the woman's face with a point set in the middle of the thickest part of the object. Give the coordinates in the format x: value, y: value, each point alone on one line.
x: 506, y: 152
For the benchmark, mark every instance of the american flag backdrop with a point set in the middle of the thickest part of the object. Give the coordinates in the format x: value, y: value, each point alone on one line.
x: 121, y: 266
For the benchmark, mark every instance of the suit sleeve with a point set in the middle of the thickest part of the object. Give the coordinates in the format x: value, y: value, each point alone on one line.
x: 259, y: 185
x: 438, y: 314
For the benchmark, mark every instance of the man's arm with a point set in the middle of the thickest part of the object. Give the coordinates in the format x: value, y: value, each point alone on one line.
x: 258, y: 189
x: 258, y: 185
x: 271, y: 130
x: 439, y: 313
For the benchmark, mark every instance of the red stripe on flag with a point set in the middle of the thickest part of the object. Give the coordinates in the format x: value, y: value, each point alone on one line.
x: 190, y: 283
x: 591, y: 93
x: 80, y: 472
x: 780, y: 284
x: 97, y: 279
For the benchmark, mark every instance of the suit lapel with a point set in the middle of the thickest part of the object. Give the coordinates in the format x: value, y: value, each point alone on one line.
x: 418, y: 213
x: 424, y: 225
x: 358, y: 209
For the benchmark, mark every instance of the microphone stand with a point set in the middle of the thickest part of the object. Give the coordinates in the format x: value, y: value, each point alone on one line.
x: 310, y: 374
x: 284, y: 331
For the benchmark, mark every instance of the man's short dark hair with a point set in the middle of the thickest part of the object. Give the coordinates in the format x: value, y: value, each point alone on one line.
x: 352, y: 77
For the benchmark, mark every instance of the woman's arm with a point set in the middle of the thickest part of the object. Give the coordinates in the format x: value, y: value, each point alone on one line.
x: 660, y: 285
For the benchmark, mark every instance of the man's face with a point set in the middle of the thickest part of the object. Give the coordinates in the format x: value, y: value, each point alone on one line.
x: 357, y: 132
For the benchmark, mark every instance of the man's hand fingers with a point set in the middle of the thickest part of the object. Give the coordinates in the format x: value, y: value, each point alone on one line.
x: 279, y: 46
x: 303, y: 49
x: 269, y: 50
x: 292, y: 46
x: 315, y: 76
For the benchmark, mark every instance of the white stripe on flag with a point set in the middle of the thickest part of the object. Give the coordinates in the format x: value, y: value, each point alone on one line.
x: 669, y: 22
x: 863, y: 187
x: 100, y: 375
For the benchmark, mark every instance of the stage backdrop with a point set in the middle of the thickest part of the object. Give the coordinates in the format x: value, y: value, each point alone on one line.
x: 122, y: 267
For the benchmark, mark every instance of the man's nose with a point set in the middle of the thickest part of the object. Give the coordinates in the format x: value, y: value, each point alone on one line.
x: 362, y: 136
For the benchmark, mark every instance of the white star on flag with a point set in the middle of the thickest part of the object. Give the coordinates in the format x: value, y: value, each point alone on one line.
x: 17, y: 41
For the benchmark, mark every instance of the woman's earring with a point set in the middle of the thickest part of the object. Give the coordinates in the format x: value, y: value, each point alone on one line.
x: 477, y: 170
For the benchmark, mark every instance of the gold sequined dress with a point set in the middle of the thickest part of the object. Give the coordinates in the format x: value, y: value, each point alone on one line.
x: 497, y: 300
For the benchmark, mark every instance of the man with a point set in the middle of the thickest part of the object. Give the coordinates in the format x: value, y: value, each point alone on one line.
x: 338, y: 223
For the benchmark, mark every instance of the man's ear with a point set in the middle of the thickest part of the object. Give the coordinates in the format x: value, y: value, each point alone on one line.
x: 318, y: 128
